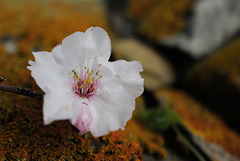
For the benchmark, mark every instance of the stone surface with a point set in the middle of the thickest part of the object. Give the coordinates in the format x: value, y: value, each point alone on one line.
x: 213, y: 22
x: 157, y: 73
x: 209, y: 132
x: 215, y: 81
x: 158, y: 19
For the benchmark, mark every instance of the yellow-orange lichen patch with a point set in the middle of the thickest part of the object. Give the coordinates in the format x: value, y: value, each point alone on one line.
x: 151, y: 142
x: 201, y: 121
x: 159, y: 18
x: 23, y: 136
x: 215, y: 81
x: 223, y: 63
x: 125, y: 151
x: 43, y: 24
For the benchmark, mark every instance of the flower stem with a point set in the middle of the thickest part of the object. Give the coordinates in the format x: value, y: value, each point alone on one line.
x: 188, y: 144
x: 20, y: 90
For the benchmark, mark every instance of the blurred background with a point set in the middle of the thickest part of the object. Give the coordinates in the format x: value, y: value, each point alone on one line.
x: 190, y: 52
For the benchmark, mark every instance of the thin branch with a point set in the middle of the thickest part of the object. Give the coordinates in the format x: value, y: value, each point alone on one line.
x: 188, y: 144
x: 20, y: 90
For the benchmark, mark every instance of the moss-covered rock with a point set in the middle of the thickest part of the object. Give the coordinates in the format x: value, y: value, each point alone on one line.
x: 159, y: 19
x: 217, y: 140
x: 43, y: 24
x: 215, y: 81
x: 24, y: 137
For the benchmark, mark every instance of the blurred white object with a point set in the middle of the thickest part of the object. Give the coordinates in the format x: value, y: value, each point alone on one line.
x: 10, y: 46
x: 213, y: 23
x: 158, y: 73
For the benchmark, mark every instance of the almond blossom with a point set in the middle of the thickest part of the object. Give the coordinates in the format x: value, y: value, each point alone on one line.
x: 81, y: 85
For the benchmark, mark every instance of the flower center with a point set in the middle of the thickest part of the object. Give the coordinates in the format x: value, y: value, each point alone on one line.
x: 87, y: 84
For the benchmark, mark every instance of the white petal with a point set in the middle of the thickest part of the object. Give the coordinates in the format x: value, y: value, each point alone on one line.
x: 82, y: 115
x: 76, y: 108
x: 57, y: 54
x: 112, y: 108
x: 57, y: 105
x: 46, y: 71
x: 126, y: 73
x: 92, y: 44
x: 115, y: 101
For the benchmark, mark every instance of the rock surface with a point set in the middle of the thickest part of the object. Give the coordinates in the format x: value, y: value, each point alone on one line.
x: 213, y: 22
x: 209, y: 132
x: 157, y: 72
x: 215, y: 81
x: 158, y: 19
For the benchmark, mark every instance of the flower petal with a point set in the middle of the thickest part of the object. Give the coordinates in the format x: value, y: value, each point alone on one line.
x: 58, y: 104
x: 84, y: 118
x: 127, y: 72
x: 115, y: 101
x: 46, y: 71
x: 112, y: 108
x: 92, y: 44
x: 57, y: 54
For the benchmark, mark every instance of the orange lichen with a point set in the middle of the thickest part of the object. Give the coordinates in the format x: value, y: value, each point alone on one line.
x: 215, y: 81
x: 126, y: 151
x: 43, y: 24
x: 2, y: 50
x: 201, y: 121
x: 23, y: 136
x: 159, y: 18
x: 152, y: 143
x: 223, y: 63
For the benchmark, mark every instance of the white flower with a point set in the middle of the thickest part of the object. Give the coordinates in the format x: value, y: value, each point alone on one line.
x: 82, y: 86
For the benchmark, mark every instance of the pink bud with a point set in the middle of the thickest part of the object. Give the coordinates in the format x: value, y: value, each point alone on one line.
x: 84, y: 119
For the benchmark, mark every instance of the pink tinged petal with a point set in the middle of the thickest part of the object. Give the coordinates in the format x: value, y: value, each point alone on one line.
x: 57, y: 54
x: 46, y: 71
x: 57, y: 104
x: 92, y: 44
x: 115, y: 102
x: 84, y: 119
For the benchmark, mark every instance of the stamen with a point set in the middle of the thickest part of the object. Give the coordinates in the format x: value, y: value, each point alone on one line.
x: 86, y: 85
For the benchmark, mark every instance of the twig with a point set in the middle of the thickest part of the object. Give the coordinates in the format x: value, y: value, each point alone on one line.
x: 20, y: 90
x: 188, y: 144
